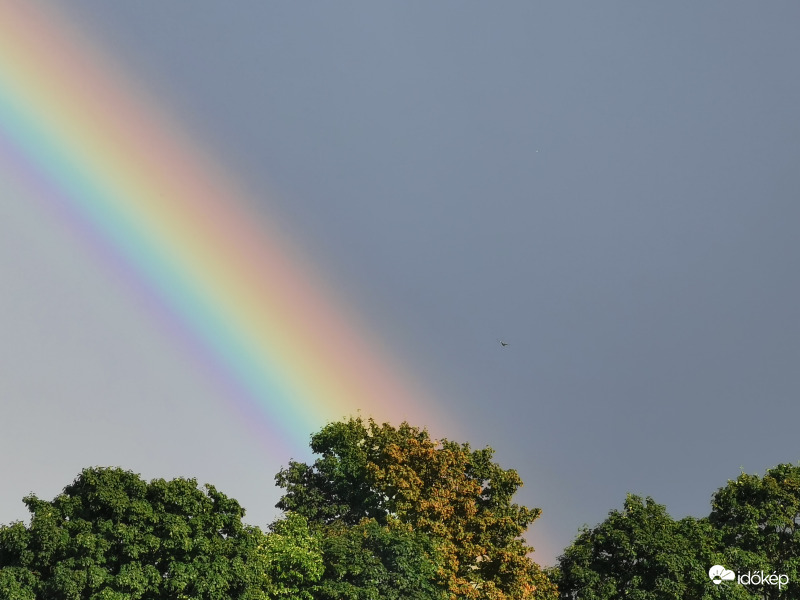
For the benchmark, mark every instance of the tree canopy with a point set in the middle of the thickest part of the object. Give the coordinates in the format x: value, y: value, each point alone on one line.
x: 384, y: 513
x: 292, y: 557
x: 370, y: 561
x: 758, y: 519
x: 369, y: 473
x: 641, y: 552
x: 112, y: 536
x: 387, y: 513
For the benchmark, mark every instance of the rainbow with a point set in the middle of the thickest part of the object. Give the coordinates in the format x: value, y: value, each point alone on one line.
x: 95, y: 149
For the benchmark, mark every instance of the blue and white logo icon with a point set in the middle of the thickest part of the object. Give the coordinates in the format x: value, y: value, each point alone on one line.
x: 718, y: 574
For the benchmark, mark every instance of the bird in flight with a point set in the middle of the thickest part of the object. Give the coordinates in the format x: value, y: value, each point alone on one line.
x: 502, y: 343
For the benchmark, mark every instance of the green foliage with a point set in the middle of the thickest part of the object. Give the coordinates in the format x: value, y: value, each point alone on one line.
x: 292, y: 558
x: 370, y: 561
x: 457, y: 497
x: 112, y: 536
x: 758, y: 519
x: 640, y: 553
x: 387, y: 513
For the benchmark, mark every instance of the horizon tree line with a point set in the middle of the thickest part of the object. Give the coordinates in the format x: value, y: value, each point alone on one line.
x: 387, y: 512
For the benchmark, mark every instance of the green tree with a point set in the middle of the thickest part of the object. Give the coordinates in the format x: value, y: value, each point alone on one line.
x: 292, y: 558
x: 758, y: 519
x: 112, y: 536
x: 454, y: 495
x: 641, y: 553
x: 370, y: 561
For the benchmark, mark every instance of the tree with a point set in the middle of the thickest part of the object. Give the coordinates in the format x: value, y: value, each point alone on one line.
x: 454, y: 495
x: 759, y: 522
x: 293, y: 561
x: 370, y: 561
x: 112, y: 536
x: 641, y: 553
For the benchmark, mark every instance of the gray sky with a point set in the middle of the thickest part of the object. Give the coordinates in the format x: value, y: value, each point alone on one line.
x: 610, y: 187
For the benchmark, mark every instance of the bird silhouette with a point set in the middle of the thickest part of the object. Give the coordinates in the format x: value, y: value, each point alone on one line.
x: 502, y: 343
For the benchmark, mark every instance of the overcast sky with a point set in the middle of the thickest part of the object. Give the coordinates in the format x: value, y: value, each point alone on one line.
x: 610, y: 187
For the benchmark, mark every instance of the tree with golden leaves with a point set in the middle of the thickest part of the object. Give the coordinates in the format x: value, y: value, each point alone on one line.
x: 401, y: 478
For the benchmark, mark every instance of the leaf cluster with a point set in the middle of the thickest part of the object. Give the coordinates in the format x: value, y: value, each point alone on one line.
x: 112, y: 536
x: 370, y: 475
x: 640, y: 552
x: 383, y: 513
